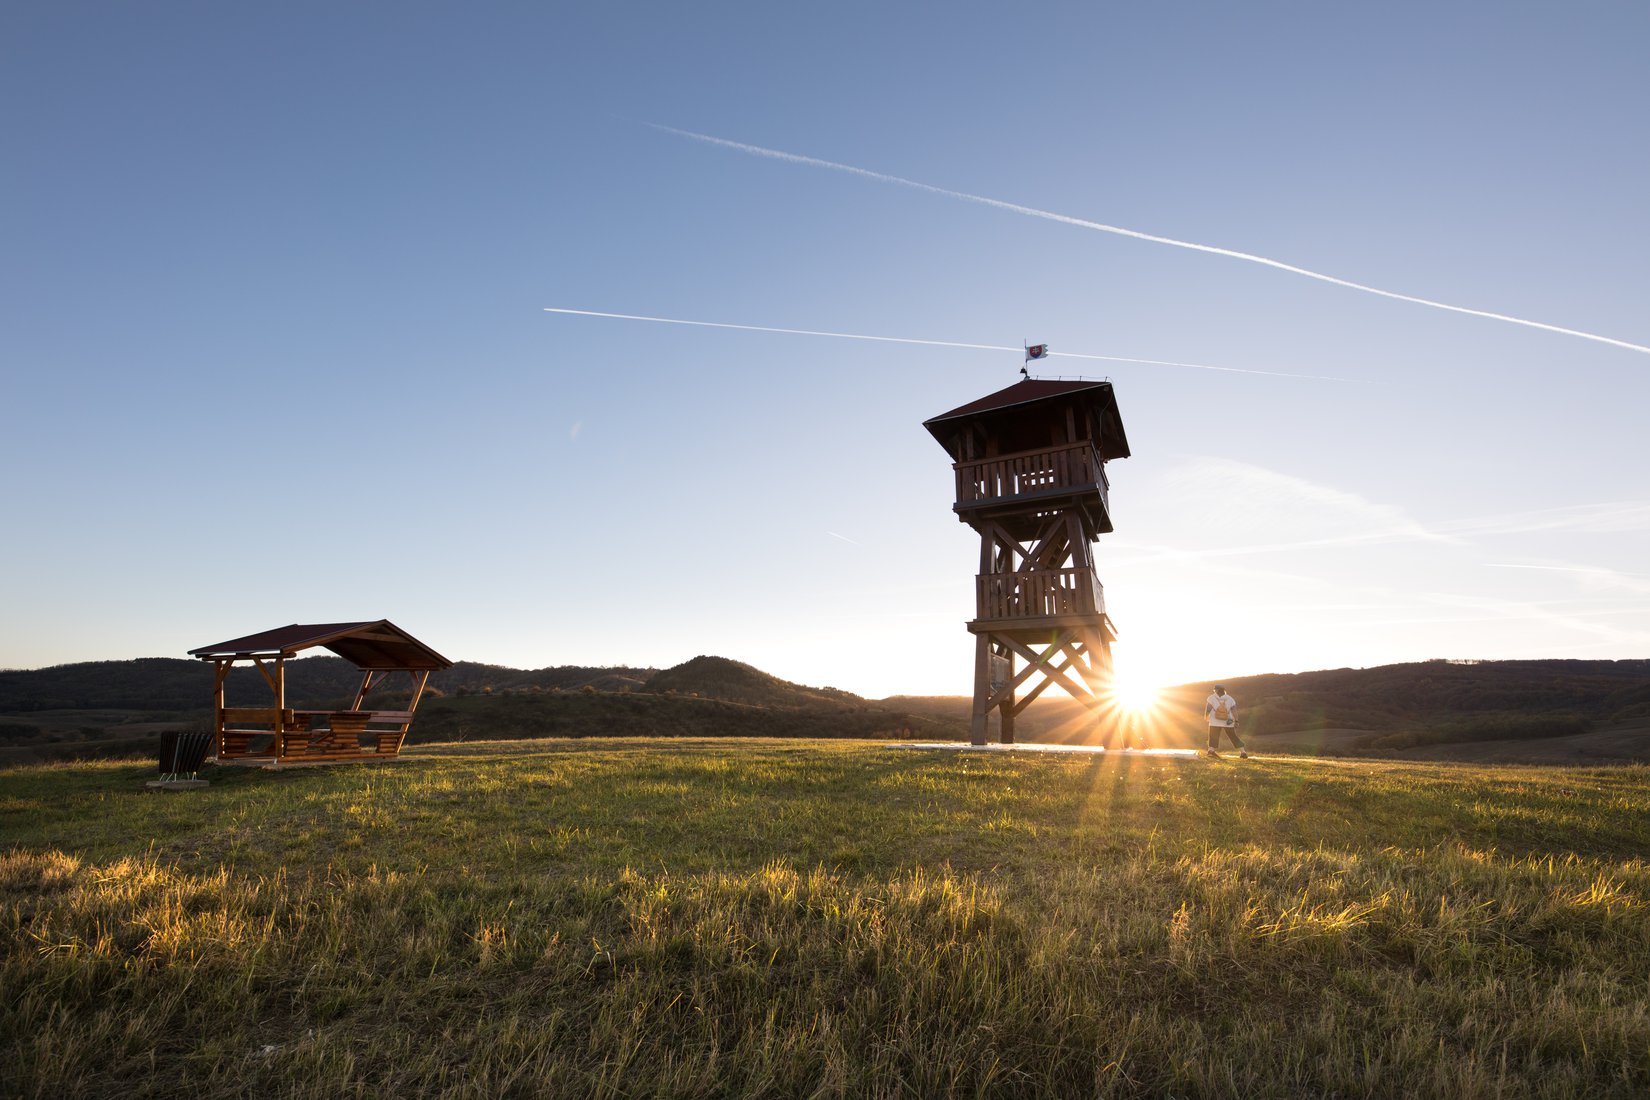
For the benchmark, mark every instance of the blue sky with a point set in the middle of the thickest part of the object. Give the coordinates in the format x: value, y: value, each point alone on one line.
x: 274, y: 348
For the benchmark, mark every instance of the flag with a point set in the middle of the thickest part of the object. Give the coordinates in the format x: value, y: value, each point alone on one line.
x: 1036, y: 351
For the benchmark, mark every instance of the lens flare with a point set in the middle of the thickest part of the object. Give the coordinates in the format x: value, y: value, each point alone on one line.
x: 1136, y: 698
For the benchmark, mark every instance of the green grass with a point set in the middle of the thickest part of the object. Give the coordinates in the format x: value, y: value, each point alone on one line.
x: 754, y: 917
x: 1488, y: 727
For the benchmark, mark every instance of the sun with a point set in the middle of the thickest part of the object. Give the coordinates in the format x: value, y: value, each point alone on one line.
x: 1137, y: 698
x: 1134, y: 694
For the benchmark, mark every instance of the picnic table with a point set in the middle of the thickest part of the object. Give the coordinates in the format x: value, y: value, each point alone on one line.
x: 311, y: 735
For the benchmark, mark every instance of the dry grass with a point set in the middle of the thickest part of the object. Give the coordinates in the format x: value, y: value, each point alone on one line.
x: 790, y: 919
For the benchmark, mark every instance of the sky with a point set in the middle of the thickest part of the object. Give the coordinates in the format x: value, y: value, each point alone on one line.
x: 274, y: 340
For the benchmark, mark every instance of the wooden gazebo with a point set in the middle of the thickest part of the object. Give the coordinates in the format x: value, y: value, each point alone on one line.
x: 277, y: 734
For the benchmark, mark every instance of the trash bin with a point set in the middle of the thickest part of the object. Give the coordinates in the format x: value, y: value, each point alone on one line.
x: 181, y: 753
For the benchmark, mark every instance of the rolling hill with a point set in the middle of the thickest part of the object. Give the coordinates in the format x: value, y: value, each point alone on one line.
x: 117, y: 708
x: 1550, y: 711
x: 1506, y: 711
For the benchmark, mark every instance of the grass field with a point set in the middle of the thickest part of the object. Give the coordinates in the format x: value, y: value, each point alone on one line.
x: 784, y: 918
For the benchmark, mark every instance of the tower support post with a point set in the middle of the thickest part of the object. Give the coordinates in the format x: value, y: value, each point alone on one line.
x: 980, y: 715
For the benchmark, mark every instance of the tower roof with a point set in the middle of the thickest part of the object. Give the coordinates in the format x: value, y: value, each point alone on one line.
x: 1029, y: 396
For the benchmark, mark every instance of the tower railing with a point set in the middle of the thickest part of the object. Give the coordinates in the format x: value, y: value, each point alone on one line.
x: 1041, y: 472
x: 1039, y: 594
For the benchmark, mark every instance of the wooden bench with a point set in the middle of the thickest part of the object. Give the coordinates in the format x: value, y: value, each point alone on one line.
x: 338, y: 739
x: 388, y: 742
x: 341, y: 739
x: 237, y: 741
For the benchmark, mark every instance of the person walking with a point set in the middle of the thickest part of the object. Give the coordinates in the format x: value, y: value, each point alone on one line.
x: 1220, y: 709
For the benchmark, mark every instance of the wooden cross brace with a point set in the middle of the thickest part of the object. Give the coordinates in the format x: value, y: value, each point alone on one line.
x: 1074, y: 654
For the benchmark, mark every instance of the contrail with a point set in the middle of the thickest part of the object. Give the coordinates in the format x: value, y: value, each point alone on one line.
x: 937, y: 343
x: 1633, y: 582
x: 1066, y: 219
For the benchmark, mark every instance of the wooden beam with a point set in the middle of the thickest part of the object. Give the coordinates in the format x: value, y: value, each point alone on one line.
x: 1006, y: 716
x: 418, y: 692
x: 1058, y: 675
x: 280, y: 707
x: 220, y: 672
x: 1053, y: 545
x: 366, y: 685
x: 1041, y: 687
x: 982, y: 689
x: 1082, y: 550
x: 1099, y: 652
x: 264, y: 716
x: 1032, y: 668
x: 371, y: 681
x: 1037, y: 665
x: 1001, y: 542
x: 420, y: 679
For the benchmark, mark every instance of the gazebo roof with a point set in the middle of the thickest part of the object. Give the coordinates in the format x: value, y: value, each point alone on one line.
x: 372, y: 645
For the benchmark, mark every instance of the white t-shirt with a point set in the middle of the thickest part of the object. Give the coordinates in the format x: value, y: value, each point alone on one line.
x: 1221, y: 710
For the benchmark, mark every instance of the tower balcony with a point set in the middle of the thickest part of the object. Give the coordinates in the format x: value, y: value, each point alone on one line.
x: 1031, y: 483
x: 1038, y: 596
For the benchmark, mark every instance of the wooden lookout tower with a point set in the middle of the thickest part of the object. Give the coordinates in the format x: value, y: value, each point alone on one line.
x: 1030, y: 465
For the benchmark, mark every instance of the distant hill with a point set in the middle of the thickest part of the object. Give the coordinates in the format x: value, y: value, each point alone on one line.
x: 1488, y: 710
x: 1426, y: 693
x: 1479, y: 710
x: 166, y: 684
x: 734, y: 681
x: 113, y: 707
x: 1393, y: 697
x: 176, y: 685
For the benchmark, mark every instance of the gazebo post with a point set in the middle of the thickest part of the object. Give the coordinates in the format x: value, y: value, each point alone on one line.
x: 418, y: 692
x: 220, y: 674
x: 280, y: 706
x: 366, y: 686
x: 420, y: 679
